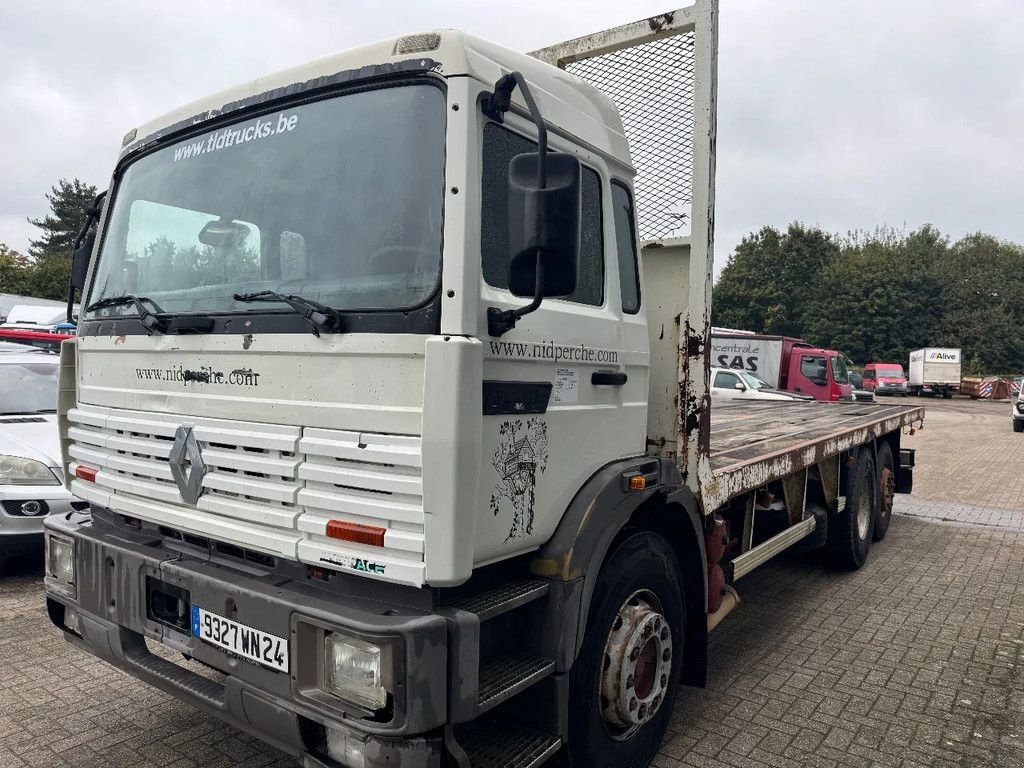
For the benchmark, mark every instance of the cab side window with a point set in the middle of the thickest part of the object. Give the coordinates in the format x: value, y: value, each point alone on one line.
x: 625, y: 246
x: 500, y: 146
x: 813, y: 368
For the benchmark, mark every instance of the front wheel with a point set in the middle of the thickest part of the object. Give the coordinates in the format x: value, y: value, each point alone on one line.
x: 850, y: 532
x: 625, y: 678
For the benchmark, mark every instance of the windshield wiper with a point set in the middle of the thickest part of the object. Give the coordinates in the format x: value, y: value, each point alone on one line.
x: 319, y: 316
x: 150, y: 321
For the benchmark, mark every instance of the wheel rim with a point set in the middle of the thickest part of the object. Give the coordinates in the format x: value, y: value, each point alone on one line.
x: 864, y: 510
x: 637, y: 665
x: 888, y: 490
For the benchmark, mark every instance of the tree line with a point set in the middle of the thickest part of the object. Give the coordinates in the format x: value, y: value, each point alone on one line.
x: 878, y: 295
x: 45, y: 270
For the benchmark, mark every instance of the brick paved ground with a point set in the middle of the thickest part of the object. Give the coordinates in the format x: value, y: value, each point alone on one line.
x: 916, y: 660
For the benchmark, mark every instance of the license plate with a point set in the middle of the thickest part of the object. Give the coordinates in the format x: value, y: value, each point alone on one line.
x: 247, y: 642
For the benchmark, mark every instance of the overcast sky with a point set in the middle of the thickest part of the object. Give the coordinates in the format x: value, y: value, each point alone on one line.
x: 842, y: 114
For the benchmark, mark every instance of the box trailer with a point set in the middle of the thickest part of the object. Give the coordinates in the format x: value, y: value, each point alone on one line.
x: 390, y: 399
x: 934, y: 371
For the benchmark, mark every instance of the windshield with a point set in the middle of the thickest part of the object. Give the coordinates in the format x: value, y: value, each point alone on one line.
x: 752, y: 381
x: 895, y: 372
x: 28, y: 386
x: 339, y: 201
x: 839, y: 370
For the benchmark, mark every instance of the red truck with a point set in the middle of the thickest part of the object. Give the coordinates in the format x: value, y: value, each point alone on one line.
x: 784, y: 362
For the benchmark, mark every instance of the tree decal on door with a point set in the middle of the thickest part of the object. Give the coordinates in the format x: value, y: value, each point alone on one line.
x: 521, y: 456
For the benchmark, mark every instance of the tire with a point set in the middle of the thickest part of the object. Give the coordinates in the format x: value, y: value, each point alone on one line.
x: 850, y: 531
x: 642, y: 570
x: 886, y: 491
x: 1018, y: 425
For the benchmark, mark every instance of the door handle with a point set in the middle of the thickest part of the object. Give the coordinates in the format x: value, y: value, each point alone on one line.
x: 608, y: 378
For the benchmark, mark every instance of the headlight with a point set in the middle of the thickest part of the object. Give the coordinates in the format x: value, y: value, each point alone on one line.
x: 352, y: 671
x: 60, y: 559
x: 15, y: 470
x: 1020, y: 406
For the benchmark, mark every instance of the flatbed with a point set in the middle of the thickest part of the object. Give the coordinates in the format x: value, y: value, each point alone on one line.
x: 753, y: 443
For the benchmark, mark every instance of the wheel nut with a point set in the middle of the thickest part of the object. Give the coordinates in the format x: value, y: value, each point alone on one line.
x: 664, y: 633
x: 629, y: 682
x: 634, y: 654
x: 647, y: 631
x: 642, y: 713
x: 667, y: 654
x: 664, y: 681
x: 632, y: 704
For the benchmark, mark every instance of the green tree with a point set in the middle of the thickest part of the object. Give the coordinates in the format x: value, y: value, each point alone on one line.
x: 765, y: 286
x: 48, y: 274
x: 13, y: 270
x: 880, y: 299
x: 69, y: 201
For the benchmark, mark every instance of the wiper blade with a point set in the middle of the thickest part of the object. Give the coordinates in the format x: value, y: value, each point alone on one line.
x: 150, y: 321
x: 319, y: 316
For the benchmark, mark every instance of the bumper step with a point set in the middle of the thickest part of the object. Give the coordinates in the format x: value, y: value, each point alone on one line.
x: 498, y: 600
x: 504, y: 677
x: 497, y: 746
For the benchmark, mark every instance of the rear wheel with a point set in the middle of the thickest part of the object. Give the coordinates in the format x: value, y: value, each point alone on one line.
x: 849, y: 532
x: 1018, y: 425
x: 886, y: 490
x: 625, y: 678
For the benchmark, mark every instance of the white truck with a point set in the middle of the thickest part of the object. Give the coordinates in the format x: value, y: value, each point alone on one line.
x: 934, y: 371
x: 391, y: 428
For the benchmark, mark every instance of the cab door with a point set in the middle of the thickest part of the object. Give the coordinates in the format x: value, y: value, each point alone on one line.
x: 808, y: 375
x: 565, y: 390
x: 726, y: 385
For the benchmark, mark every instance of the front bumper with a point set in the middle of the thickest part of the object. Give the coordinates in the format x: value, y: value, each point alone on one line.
x: 891, y: 389
x: 114, y: 621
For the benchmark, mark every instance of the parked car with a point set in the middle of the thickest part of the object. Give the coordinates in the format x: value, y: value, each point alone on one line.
x: 31, y: 481
x: 885, y: 379
x: 734, y: 384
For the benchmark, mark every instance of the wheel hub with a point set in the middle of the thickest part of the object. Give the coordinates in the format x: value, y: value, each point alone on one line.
x: 864, y: 511
x: 888, y: 489
x: 637, y: 665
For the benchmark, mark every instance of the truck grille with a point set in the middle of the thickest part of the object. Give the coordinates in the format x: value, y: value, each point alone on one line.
x: 270, y: 488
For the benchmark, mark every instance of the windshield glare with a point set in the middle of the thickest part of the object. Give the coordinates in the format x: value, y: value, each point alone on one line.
x: 752, y: 381
x: 889, y: 373
x: 339, y: 201
x: 28, y: 387
x: 839, y: 370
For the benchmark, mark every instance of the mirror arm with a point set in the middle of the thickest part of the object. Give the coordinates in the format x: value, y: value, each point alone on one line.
x: 501, y: 321
x: 92, y: 215
x: 495, y: 105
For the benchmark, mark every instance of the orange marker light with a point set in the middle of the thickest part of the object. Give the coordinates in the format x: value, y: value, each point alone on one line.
x: 86, y: 473
x: 637, y: 483
x: 356, y: 532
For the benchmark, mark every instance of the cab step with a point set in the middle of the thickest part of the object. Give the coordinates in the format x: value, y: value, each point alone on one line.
x: 501, y: 599
x: 504, y: 677
x: 490, y: 745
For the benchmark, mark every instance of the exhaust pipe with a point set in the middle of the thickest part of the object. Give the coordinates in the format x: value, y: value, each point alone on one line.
x: 730, y: 599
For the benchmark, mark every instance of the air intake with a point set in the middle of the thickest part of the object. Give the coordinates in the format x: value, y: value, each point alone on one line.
x: 418, y: 43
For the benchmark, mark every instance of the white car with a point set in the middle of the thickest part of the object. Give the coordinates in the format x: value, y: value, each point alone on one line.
x: 734, y: 384
x: 30, y: 476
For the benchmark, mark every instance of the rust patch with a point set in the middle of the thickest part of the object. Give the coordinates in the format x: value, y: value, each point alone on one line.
x: 247, y: 341
x: 120, y: 340
x: 659, y: 22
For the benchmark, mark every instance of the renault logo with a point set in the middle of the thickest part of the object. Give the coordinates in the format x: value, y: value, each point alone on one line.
x: 187, y: 467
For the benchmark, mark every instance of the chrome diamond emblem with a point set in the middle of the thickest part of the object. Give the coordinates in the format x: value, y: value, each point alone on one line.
x: 187, y: 466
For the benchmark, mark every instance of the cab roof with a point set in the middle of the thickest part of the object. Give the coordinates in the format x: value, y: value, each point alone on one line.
x: 564, y: 99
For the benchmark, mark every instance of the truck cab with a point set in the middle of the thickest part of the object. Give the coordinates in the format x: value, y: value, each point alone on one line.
x: 821, y: 373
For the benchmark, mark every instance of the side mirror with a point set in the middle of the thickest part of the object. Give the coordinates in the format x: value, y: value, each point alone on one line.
x: 544, y: 224
x: 739, y: 385
x: 80, y: 260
